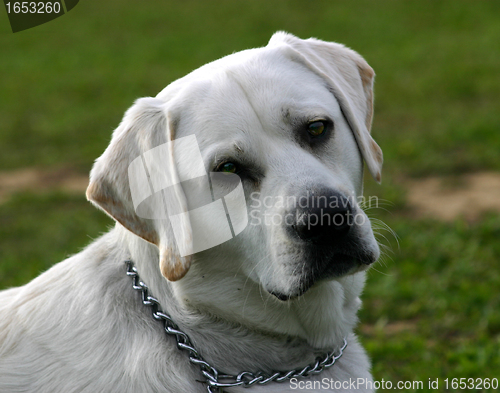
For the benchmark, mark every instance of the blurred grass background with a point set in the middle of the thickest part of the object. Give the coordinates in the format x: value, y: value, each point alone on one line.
x: 431, y: 308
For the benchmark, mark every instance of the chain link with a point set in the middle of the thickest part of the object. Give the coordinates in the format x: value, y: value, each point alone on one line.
x: 215, y: 380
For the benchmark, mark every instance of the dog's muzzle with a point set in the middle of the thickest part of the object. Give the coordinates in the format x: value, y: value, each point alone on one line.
x: 325, y: 218
x: 326, y: 236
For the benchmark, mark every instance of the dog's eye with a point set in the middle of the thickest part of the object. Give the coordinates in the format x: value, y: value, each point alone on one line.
x: 316, y: 128
x: 227, y: 167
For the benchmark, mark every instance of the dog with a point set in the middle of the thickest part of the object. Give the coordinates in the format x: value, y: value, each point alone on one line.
x: 235, y: 194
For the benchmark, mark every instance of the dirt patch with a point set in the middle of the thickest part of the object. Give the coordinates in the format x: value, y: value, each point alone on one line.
x: 389, y: 329
x: 36, y: 180
x: 447, y: 198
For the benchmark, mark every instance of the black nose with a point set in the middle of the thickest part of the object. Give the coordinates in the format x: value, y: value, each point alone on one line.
x: 321, y: 218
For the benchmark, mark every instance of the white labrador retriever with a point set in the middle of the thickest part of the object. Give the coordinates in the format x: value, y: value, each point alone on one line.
x: 292, y: 121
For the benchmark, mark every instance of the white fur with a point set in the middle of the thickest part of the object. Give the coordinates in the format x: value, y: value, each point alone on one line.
x: 80, y: 327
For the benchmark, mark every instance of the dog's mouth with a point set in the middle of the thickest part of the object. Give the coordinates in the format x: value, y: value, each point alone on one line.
x: 334, y: 266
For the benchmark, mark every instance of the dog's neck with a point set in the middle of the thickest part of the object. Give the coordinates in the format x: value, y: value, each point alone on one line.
x: 218, y: 309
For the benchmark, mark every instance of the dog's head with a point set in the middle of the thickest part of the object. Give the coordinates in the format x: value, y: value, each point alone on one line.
x: 285, y: 129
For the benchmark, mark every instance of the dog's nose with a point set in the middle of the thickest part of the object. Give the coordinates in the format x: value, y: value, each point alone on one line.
x: 324, y: 218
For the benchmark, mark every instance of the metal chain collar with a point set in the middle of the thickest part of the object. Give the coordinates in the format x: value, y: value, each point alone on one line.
x: 216, y: 380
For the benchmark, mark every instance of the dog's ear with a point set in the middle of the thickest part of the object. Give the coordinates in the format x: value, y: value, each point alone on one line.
x: 351, y: 81
x: 122, y: 178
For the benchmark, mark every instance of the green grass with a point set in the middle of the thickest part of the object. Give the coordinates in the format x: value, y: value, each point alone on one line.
x: 37, y: 231
x: 431, y: 309
x: 432, y: 306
